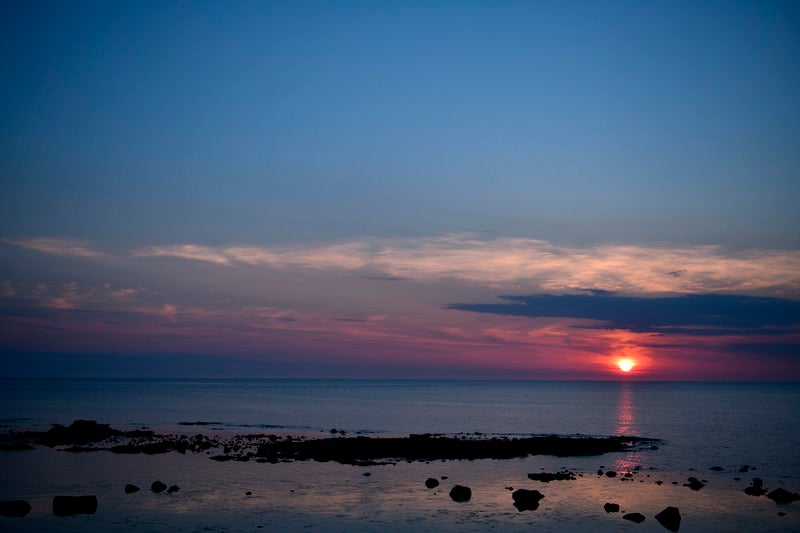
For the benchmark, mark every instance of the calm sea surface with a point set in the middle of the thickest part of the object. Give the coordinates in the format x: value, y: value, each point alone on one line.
x: 700, y: 425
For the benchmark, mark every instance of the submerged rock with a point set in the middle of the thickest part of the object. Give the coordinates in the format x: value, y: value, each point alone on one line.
x: 460, y: 493
x: 158, y: 486
x: 130, y: 489
x: 670, y: 518
x: 717, y: 468
x: 15, y: 508
x: 634, y: 517
x: 783, y: 496
x: 72, y: 505
x: 611, y: 507
x: 526, y: 500
x: 431, y: 483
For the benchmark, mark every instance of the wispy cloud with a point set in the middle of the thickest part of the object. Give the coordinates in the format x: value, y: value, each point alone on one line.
x: 54, y: 246
x: 527, y: 264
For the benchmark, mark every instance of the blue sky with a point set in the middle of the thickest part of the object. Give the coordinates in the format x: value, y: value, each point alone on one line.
x: 130, y: 130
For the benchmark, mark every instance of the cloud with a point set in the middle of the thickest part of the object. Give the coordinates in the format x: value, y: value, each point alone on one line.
x: 54, y: 246
x: 526, y: 264
x: 694, y: 314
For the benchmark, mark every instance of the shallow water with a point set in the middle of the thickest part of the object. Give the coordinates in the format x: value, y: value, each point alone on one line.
x: 702, y: 425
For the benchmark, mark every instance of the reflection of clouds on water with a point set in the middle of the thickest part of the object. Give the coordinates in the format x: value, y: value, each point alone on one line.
x: 626, y: 425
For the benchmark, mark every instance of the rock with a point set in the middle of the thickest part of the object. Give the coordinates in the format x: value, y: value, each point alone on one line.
x: 717, y: 468
x: 694, y: 484
x: 526, y: 500
x: 783, y: 496
x: 431, y: 483
x: 79, y: 432
x: 15, y: 508
x: 634, y: 517
x: 599, y: 471
x: 670, y: 518
x: 744, y: 468
x: 72, y: 505
x: 611, y: 507
x: 248, y: 493
x: 460, y: 493
x: 173, y: 489
x: 547, y: 477
x: 756, y: 488
x: 611, y: 473
x: 157, y: 487
x: 130, y: 489
x: 781, y: 513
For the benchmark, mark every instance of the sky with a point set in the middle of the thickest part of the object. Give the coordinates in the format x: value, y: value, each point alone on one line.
x: 467, y: 190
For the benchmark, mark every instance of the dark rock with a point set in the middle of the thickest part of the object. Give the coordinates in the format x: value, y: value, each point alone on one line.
x: 599, y: 471
x: 717, y: 468
x: 72, y: 505
x: 781, y: 513
x: 366, y: 474
x: 659, y: 482
x: 783, y: 496
x: 460, y: 493
x: 611, y: 507
x: 172, y: 489
x: 670, y: 518
x: 634, y: 517
x: 745, y: 468
x: 158, y: 486
x: 526, y: 500
x: 611, y: 473
x: 15, y: 508
x: 130, y: 489
x: 431, y: 483
x: 694, y: 484
x: 248, y: 493
x: 756, y: 488
x: 547, y: 477
x: 79, y: 432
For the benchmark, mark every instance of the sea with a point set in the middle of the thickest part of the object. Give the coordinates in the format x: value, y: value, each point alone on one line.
x: 742, y: 430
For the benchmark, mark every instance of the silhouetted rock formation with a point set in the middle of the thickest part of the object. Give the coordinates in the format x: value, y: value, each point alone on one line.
x: 15, y: 508
x: 634, y: 517
x: 611, y: 507
x: 756, y: 488
x: 431, y: 483
x: 130, y: 489
x: 460, y: 493
x: 526, y: 500
x: 72, y: 505
x: 547, y: 477
x: 670, y: 518
x: 158, y: 486
x: 783, y: 496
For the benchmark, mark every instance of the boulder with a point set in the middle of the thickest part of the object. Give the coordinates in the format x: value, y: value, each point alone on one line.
x: 717, y: 468
x: 15, y: 508
x: 611, y: 473
x: 670, y: 518
x: 158, y: 486
x: 173, y: 489
x: 72, y: 505
x: 526, y: 500
x: 783, y: 496
x: 431, y: 483
x: 460, y: 493
x: 130, y: 489
x: 611, y: 507
x: 756, y: 488
x: 79, y: 432
x: 694, y: 484
x: 634, y: 517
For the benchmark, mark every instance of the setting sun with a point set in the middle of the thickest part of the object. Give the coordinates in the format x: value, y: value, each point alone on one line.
x: 626, y: 365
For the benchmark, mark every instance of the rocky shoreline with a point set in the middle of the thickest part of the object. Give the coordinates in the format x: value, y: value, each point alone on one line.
x: 90, y: 436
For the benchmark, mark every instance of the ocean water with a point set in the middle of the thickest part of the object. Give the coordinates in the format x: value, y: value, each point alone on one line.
x: 700, y: 425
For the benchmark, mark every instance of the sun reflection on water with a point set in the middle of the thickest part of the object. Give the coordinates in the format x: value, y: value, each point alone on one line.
x: 626, y: 425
